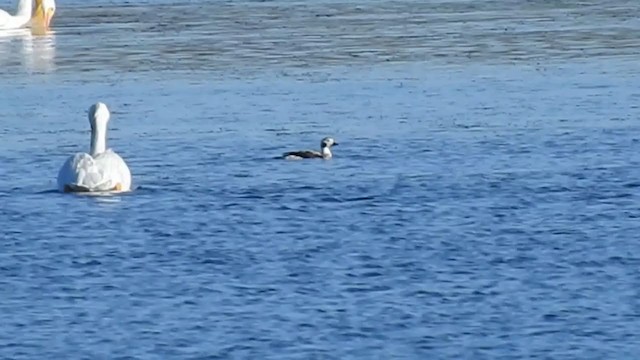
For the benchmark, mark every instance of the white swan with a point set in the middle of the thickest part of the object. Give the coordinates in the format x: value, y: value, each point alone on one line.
x: 102, y: 169
x: 23, y: 17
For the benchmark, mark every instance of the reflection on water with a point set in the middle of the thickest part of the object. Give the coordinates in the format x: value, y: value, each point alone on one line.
x: 246, y: 36
x: 27, y: 50
x: 107, y: 200
x: 39, y: 52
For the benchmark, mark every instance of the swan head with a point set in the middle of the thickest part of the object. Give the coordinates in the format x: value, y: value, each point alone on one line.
x: 327, y: 142
x: 43, y: 13
x: 99, y: 116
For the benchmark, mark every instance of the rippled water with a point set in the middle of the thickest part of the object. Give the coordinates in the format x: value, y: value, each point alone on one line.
x: 482, y: 204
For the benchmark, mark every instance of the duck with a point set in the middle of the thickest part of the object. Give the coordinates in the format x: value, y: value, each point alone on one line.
x: 100, y: 170
x: 324, y: 153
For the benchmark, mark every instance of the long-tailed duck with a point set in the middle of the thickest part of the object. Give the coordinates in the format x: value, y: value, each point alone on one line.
x: 324, y: 153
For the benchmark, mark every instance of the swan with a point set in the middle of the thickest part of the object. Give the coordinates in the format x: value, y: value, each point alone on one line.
x: 324, y: 153
x: 102, y: 170
x: 41, y: 16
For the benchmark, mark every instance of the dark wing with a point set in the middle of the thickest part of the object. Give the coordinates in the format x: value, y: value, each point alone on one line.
x: 75, y: 188
x: 307, y: 154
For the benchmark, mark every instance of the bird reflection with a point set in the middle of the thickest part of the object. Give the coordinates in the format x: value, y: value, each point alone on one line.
x: 30, y: 50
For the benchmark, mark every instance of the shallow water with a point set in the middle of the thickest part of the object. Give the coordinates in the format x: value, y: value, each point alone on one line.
x: 482, y: 202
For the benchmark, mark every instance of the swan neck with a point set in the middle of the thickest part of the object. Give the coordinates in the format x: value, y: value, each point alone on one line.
x: 98, y: 140
x: 24, y: 8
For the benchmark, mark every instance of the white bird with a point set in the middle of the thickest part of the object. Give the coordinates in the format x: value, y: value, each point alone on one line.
x: 24, y: 17
x: 102, y: 170
x: 324, y: 153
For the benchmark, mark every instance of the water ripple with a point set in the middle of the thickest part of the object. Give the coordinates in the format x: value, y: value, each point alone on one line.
x: 482, y: 203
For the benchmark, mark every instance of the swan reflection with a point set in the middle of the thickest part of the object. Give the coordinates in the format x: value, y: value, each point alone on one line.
x: 27, y: 49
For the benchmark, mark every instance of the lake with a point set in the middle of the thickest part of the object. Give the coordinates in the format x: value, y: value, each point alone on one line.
x: 482, y: 203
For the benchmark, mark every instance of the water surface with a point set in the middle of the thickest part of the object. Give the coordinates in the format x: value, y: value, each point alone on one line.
x: 482, y: 203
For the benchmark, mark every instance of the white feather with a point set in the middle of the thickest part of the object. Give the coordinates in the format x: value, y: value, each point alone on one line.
x: 20, y: 19
x: 82, y: 172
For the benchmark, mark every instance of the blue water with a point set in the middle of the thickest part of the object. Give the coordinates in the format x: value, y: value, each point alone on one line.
x: 479, y: 206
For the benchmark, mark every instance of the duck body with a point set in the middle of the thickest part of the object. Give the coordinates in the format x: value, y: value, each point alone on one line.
x: 304, y: 154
